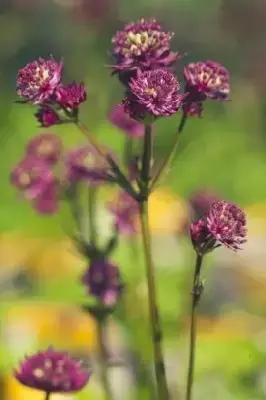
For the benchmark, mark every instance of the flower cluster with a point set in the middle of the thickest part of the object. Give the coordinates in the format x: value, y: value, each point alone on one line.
x: 40, y: 83
x: 51, y: 371
x: 223, y: 224
x: 125, y: 211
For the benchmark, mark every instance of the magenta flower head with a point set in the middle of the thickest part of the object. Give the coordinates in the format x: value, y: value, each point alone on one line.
x: 102, y: 280
x: 35, y: 180
x: 142, y: 45
x: 125, y: 211
x: 37, y: 81
x: 52, y: 372
x: 47, y: 147
x: 224, y: 224
x: 153, y: 94
x: 86, y: 164
x: 123, y: 121
x: 46, y: 116
x: 70, y: 96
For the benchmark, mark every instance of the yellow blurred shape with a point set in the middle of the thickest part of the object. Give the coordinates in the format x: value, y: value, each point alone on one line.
x: 168, y: 213
x: 256, y: 218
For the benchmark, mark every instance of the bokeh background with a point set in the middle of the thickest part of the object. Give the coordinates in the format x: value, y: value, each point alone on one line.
x: 224, y: 152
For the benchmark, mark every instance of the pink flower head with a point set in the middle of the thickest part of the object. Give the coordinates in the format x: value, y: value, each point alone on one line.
x: 47, y: 147
x: 102, y: 280
x: 70, y: 96
x: 37, y: 81
x: 125, y: 211
x: 86, y: 164
x: 224, y: 224
x: 206, y: 80
x: 123, y: 121
x: 52, y: 371
x: 153, y: 93
x: 35, y: 179
x: 46, y: 116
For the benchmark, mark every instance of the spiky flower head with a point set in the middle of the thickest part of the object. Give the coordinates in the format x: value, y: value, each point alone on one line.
x: 46, y: 116
x: 224, y: 224
x: 86, y: 164
x: 52, y: 371
x: 153, y: 94
x: 125, y: 211
x: 36, y: 181
x: 47, y: 147
x: 37, y: 81
x: 70, y: 96
x: 102, y: 280
x: 142, y: 44
x: 206, y: 80
x: 123, y: 121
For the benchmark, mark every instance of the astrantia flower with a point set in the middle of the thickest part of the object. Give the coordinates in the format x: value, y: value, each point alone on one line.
x: 46, y: 147
x: 122, y: 120
x: 125, y: 211
x: 86, y: 164
x: 192, y: 109
x: 52, y: 372
x: 47, y: 117
x: 206, y: 80
x: 102, y: 280
x: 144, y: 45
x: 224, y: 224
x: 36, y: 181
x: 153, y: 94
x: 37, y: 81
x: 70, y: 96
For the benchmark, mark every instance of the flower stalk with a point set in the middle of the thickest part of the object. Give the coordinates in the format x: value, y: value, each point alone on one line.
x: 47, y: 396
x: 197, y: 289
x: 103, y: 358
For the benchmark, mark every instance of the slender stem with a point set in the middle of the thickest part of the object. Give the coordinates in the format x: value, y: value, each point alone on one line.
x: 47, y: 396
x: 76, y: 210
x: 128, y: 150
x: 103, y: 360
x: 153, y: 307
x: 196, y: 294
x: 170, y: 156
x: 146, y: 158
x: 92, y: 215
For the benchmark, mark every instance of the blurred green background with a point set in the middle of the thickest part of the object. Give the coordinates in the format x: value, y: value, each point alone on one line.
x: 224, y: 151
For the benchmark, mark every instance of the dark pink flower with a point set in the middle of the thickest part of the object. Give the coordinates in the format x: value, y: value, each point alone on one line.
x: 102, y: 280
x: 128, y: 125
x: 86, y: 164
x: 153, y: 94
x: 46, y: 116
x: 70, y: 96
x: 47, y: 147
x: 224, y: 223
x: 125, y: 210
x: 142, y: 45
x: 36, y: 181
x: 192, y: 109
x: 206, y: 80
x: 37, y: 81
x: 52, y: 372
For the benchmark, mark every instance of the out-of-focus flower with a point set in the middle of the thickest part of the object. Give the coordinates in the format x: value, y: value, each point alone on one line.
x: 153, y: 94
x: 47, y: 147
x: 70, y: 96
x: 224, y: 224
x: 102, y: 280
x: 144, y: 45
x: 52, y: 372
x: 85, y: 163
x: 125, y: 211
x: 46, y: 116
x: 200, y: 202
x: 37, y: 81
x: 35, y: 179
x: 206, y: 80
x: 122, y: 120
x: 192, y: 109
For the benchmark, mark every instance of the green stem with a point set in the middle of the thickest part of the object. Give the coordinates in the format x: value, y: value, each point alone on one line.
x: 128, y: 151
x: 152, y: 297
x: 47, y: 396
x: 92, y: 215
x: 76, y: 210
x: 169, y: 157
x: 196, y: 294
x: 103, y: 360
x: 153, y: 307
